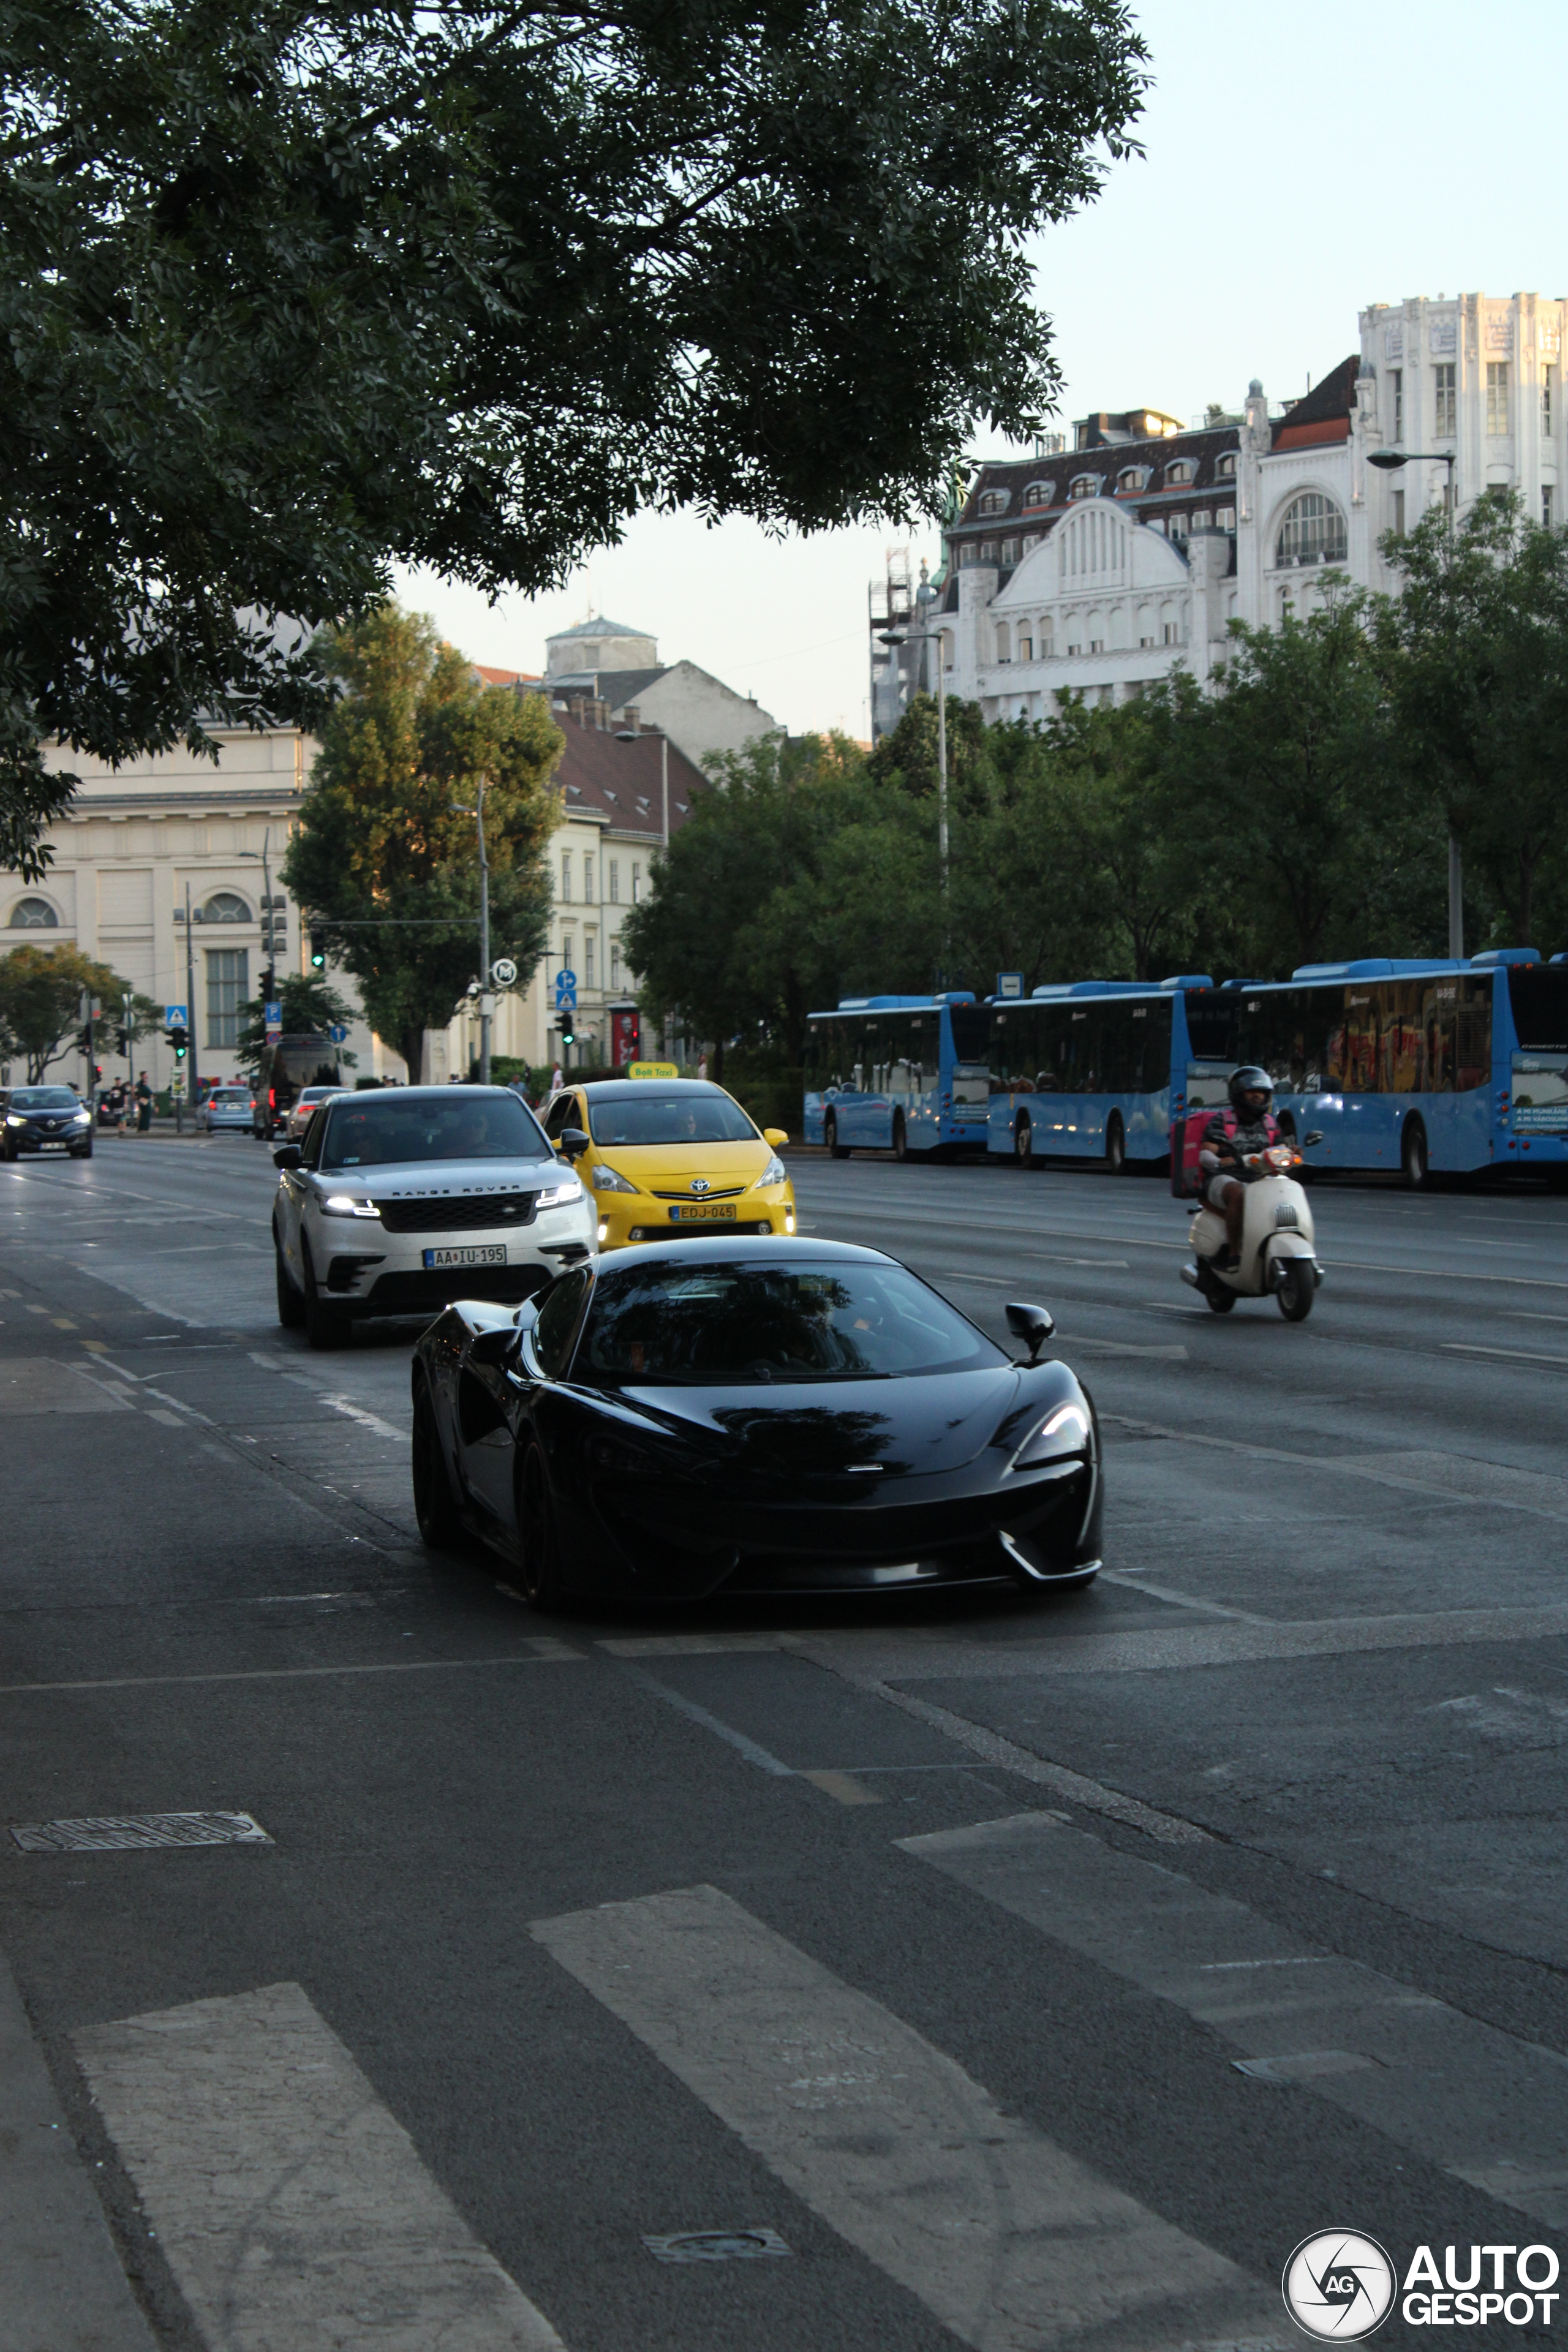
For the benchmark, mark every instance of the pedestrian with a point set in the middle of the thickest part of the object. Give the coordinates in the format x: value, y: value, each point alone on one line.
x: 556, y: 1076
x: 118, y: 1102
x: 143, y: 1105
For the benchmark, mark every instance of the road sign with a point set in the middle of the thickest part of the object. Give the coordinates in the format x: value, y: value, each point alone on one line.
x: 174, y: 1017
x: 566, y: 991
x: 177, y: 1085
x: 1009, y: 983
x: 338, y: 1032
x: 503, y: 972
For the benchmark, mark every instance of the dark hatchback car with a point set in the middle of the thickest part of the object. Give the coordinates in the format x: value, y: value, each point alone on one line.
x: 760, y: 1416
x: 46, y: 1118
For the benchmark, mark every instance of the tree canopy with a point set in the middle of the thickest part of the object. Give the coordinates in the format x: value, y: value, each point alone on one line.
x: 293, y: 288
x: 385, y: 863
x: 40, y: 1005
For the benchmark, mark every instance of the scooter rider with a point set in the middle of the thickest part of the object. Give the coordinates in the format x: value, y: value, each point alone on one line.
x: 1248, y: 1125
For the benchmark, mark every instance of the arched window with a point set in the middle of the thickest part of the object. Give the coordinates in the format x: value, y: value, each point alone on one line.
x: 34, y: 915
x: 994, y: 502
x: 1084, y: 486
x: 1039, y: 494
x: 1225, y: 465
x: 1312, y: 531
x: 226, y: 906
x: 1132, y: 478
x: 1182, y: 471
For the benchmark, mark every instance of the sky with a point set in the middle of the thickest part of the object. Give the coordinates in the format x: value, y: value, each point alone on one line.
x: 1301, y: 165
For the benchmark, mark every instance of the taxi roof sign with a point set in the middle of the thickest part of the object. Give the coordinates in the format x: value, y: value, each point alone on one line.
x: 653, y: 1069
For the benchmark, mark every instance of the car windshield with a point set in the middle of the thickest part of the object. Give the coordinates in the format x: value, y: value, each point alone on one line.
x: 409, y: 1127
x: 716, y: 1324
x: 44, y: 1098
x: 232, y: 1095
x: 649, y: 1115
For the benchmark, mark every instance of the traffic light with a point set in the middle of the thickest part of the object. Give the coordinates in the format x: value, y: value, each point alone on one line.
x: 179, y: 1036
x: 568, y: 1028
x: 122, y: 1041
x: 318, y: 949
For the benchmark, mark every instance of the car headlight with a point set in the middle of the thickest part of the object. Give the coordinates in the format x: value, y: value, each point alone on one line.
x: 774, y: 1173
x: 558, y: 1196
x: 12, y: 1119
x: 344, y: 1204
x: 82, y: 1118
x: 1066, y: 1430
x: 609, y: 1180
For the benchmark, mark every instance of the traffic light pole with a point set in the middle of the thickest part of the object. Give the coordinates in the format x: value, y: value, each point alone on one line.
x: 190, y: 1013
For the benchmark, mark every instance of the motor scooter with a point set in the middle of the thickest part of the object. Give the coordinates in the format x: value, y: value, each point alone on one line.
x: 1277, y: 1252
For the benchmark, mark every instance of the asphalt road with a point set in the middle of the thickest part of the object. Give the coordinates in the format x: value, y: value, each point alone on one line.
x: 1039, y: 1974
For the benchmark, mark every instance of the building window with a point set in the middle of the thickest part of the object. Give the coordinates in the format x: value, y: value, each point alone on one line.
x: 228, y: 985
x: 34, y: 915
x: 1179, y: 528
x: 1084, y: 486
x: 1497, y: 397
x: 566, y: 963
x: 1025, y: 649
x: 1097, y: 645
x: 615, y: 881
x: 1004, y: 641
x: 1225, y: 467
x: 1132, y: 478
x: 588, y: 961
x: 636, y: 884
x: 1039, y: 494
x: 1009, y: 550
x: 1047, y: 647
x: 988, y: 551
x: 966, y: 554
x: 1224, y: 518
x: 1446, y: 401
x: 1144, y: 644
x: 1169, y: 633
x: 1313, y: 531
x: 1182, y: 470
x: 993, y: 502
x: 588, y: 880
x: 1545, y: 525
x: 1074, y: 649
x: 566, y: 877
x: 1546, y: 399
x: 226, y: 906
x: 1396, y: 378
x: 614, y: 969
x: 1398, y: 514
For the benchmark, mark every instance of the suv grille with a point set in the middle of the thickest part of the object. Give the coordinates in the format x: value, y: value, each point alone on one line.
x: 460, y: 1212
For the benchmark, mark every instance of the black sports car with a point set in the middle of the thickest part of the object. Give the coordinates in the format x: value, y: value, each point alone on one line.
x: 757, y: 1416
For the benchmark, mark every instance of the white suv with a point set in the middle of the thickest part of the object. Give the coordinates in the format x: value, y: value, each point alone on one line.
x: 399, y: 1201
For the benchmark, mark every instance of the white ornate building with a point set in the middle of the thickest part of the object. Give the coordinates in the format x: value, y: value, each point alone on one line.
x: 1101, y: 568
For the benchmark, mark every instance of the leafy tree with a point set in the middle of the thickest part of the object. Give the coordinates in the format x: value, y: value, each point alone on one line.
x: 1478, y: 661
x: 289, y: 288
x: 383, y: 861
x: 40, y: 1005
x: 309, y: 1006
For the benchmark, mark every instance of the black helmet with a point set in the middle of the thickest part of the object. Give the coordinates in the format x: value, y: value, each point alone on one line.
x: 1250, y: 1080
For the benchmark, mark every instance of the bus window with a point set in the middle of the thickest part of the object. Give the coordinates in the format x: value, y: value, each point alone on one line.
x: 1538, y: 997
x: 1360, y: 1050
x: 1439, y: 999
x: 1473, y: 1035
x: 1404, y: 1038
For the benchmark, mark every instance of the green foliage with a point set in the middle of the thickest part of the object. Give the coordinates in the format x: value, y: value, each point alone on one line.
x: 291, y: 287
x: 40, y: 1005
x: 309, y: 1006
x: 383, y: 860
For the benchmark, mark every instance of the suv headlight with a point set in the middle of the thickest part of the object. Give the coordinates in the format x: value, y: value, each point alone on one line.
x: 1065, y: 1431
x: 13, y: 1120
x: 559, y: 1196
x: 775, y: 1172
x: 344, y: 1204
x: 608, y: 1180
x: 82, y: 1118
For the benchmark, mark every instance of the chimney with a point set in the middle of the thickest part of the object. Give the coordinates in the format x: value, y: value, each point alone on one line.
x: 630, y: 715
x: 580, y: 709
x: 601, y: 714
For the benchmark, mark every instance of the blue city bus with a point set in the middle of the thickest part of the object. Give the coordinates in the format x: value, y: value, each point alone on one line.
x: 1406, y: 1065
x: 907, y: 1075
x: 1090, y: 1069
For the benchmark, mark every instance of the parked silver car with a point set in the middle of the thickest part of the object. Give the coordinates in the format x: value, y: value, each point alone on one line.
x: 399, y: 1202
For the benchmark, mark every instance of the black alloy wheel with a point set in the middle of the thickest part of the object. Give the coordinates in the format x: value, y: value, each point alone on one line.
x: 1413, y: 1155
x: 290, y: 1306
x: 835, y: 1150
x: 1024, y: 1144
x: 81, y: 1151
x: 1115, y: 1145
x: 538, y: 1573
x: 434, y: 1505
x: 1296, y: 1291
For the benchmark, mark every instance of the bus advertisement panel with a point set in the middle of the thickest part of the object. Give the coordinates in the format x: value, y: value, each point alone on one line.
x: 1084, y: 1070
x: 902, y: 1074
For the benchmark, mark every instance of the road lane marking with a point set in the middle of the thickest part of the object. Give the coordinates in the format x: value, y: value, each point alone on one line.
x: 844, y: 1787
x: 289, y: 2203
x: 1515, y: 1355
x: 1358, y: 2038
x: 364, y: 1419
x: 1011, y: 2242
x: 556, y: 1654
x: 749, y: 1748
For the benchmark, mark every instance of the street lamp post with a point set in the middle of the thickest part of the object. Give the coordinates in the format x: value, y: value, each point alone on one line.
x: 269, y: 969
x: 1389, y: 461
x: 486, y: 999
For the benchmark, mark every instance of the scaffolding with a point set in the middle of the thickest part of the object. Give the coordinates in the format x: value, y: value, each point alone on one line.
x: 889, y: 608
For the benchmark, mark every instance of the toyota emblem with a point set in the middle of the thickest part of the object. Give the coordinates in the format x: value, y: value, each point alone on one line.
x: 700, y: 1184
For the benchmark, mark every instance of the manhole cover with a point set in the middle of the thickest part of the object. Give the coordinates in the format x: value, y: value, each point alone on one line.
x: 715, y: 2245
x: 112, y: 1832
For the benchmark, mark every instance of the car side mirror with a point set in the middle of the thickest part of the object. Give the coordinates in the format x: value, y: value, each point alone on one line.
x: 1314, y: 1135
x: 572, y: 1143
x: 494, y: 1347
x: 286, y: 1156
x: 1034, y: 1324
x: 777, y: 1136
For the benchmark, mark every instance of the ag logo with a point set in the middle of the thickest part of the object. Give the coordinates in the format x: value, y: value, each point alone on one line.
x: 1338, y: 2286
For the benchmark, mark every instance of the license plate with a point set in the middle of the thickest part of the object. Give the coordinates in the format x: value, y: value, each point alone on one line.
x: 484, y: 1253
x: 709, y: 1213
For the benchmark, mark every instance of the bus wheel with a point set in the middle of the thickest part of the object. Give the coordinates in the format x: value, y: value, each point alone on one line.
x: 1115, y: 1146
x: 835, y: 1149
x: 1024, y: 1144
x: 900, y: 1143
x: 1412, y: 1154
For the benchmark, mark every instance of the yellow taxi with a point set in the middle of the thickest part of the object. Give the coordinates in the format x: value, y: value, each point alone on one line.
x: 666, y: 1156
